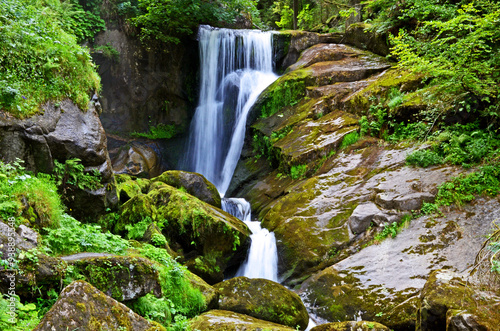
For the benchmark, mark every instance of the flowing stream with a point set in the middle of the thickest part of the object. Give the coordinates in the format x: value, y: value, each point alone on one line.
x: 236, y: 66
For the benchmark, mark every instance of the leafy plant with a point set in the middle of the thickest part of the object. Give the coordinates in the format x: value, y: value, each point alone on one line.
x: 298, y: 171
x: 349, y: 139
x: 137, y: 230
x: 72, y: 174
x: 161, y: 131
x: 108, y: 51
x: 424, y: 158
x: 393, y: 229
x: 74, y: 237
x: 25, y: 317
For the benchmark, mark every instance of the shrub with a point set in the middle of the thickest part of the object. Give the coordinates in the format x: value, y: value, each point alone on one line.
x: 424, y: 158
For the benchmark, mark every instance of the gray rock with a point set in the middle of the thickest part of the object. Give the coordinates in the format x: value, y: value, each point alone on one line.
x: 28, y: 234
x: 411, y: 201
x: 232, y: 321
x: 8, y: 234
x: 62, y: 133
x: 363, y: 215
x: 138, y: 160
x: 81, y: 306
x: 351, y: 326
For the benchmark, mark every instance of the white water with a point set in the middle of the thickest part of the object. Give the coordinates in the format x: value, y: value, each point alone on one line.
x: 236, y: 66
x: 262, y: 260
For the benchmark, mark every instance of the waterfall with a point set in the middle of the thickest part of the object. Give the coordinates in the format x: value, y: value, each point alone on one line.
x: 236, y: 66
x: 262, y: 260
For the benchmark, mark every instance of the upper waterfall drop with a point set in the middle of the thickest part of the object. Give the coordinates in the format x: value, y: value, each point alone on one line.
x: 236, y: 66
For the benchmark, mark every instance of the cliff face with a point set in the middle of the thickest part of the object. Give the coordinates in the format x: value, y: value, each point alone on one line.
x: 144, y: 87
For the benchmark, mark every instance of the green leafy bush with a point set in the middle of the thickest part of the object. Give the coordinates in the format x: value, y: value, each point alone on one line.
x: 39, y: 59
x: 161, y: 131
x: 298, y: 171
x: 349, y: 139
x: 424, y: 158
x: 169, y: 20
x: 28, y: 197
x: 26, y: 315
x: 74, y: 237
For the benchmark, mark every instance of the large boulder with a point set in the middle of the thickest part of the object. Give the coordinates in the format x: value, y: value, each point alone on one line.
x: 263, y: 299
x: 448, y: 302
x: 120, y: 277
x: 81, y: 306
x: 209, y: 239
x: 62, y: 132
x: 193, y: 183
x: 231, y: 321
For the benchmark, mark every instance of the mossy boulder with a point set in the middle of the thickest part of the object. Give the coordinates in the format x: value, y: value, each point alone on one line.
x: 81, y: 306
x: 193, y: 183
x: 120, y: 277
x: 263, y: 299
x: 351, y: 326
x: 128, y: 188
x: 222, y: 320
x: 448, y: 302
x: 209, y: 239
x: 210, y: 294
x: 35, y: 269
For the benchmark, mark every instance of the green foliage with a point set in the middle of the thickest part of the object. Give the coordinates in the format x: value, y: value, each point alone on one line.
x: 169, y: 20
x: 28, y: 197
x: 283, y: 95
x: 161, y: 131
x: 184, y: 299
x: 408, y: 131
x: 39, y: 59
x: 285, y: 13
x: 298, y: 171
x: 349, y: 139
x: 464, y: 145
x: 458, y: 51
x: 84, y: 23
x: 137, y: 230
x: 108, y: 51
x: 158, y: 240
x: 26, y: 315
x: 72, y: 175
x: 152, y: 308
x: 393, y: 229
x: 424, y: 158
x: 74, y: 237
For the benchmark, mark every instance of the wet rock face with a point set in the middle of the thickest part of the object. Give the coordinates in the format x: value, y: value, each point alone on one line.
x: 383, y: 282
x: 232, y: 321
x: 263, y: 299
x: 144, y: 87
x: 62, y: 133
x: 81, y: 306
x: 137, y: 160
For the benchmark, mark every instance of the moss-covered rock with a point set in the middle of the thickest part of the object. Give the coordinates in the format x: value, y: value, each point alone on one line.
x: 447, y: 302
x: 81, y: 306
x: 209, y: 239
x: 222, y: 320
x: 210, y: 293
x: 129, y: 188
x: 120, y: 277
x: 351, y: 326
x: 193, y: 183
x: 263, y: 299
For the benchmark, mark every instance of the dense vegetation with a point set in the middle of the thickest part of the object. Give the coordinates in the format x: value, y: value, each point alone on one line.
x: 40, y: 59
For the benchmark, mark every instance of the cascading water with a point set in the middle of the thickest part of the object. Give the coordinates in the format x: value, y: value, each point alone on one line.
x: 236, y: 66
